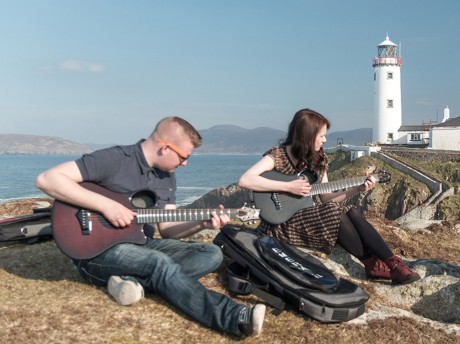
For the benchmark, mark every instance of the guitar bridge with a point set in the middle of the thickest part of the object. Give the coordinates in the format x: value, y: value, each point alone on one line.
x: 84, y: 217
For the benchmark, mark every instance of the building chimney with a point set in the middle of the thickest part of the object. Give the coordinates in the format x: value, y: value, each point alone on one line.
x: 446, y: 114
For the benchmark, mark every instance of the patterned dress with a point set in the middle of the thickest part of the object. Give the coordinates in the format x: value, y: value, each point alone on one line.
x: 315, y: 227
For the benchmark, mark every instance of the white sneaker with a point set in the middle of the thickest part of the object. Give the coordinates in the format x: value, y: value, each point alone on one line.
x: 251, y: 320
x: 125, y: 290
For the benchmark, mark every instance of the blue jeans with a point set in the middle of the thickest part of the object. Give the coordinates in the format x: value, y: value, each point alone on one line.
x: 170, y: 268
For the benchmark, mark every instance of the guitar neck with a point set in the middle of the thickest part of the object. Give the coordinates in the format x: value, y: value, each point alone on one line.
x: 317, y: 189
x: 180, y: 215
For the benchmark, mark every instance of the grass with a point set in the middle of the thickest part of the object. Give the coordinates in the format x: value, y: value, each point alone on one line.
x: 43, y: 300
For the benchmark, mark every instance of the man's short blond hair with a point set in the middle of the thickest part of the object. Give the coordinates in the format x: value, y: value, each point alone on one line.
x: 164, y: 126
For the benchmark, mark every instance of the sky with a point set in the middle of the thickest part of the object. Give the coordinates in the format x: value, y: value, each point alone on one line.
x: 105, y: 71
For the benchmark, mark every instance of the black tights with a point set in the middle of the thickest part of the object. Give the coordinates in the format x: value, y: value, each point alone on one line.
x: 359, y: 238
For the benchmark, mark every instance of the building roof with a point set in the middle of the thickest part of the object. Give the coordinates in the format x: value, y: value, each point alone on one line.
x: 451, y: 122
x: 414, y: 128
x: 387, y: 42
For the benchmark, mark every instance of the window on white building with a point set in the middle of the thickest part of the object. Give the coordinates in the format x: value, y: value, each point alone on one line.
x: 390, y: 75
x: 390, y: 137
x: 415, y: 137
x: 389, y: 103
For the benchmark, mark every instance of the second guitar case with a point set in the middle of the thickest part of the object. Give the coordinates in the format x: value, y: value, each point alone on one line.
x: 286, y: 277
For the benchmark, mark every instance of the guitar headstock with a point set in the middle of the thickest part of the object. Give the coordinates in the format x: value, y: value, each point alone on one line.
x: 247, y: 214
x: 383, y: 177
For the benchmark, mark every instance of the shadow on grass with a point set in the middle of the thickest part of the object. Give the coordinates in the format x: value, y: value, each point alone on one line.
x: 40, y: 261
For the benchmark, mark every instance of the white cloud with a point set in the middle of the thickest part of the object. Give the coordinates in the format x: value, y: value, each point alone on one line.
x: 424, y: 101
x: 82, y: 66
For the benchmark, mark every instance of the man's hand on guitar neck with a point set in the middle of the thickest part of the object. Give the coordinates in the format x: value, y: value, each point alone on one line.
x: 179, y: 230
x: 217, y: 221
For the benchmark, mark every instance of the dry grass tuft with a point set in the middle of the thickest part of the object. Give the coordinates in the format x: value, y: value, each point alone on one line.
x: 23, y: 207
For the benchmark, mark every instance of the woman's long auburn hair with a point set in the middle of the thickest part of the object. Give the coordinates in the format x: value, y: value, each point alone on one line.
x: 302, y: 133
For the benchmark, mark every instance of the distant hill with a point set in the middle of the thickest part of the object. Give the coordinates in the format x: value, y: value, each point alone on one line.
x: 220, y: 139
x: 34, y: 144
x: 233, y: 139
x: 356, y: 137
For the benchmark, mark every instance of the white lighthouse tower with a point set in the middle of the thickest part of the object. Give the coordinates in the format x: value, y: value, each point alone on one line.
x: 387, y: 93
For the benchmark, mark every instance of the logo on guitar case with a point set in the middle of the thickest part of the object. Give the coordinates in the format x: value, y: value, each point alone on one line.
x: 293, y: 263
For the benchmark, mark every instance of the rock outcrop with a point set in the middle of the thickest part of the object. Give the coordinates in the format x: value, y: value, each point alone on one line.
x: 231, y: 196
x: 434, y: 299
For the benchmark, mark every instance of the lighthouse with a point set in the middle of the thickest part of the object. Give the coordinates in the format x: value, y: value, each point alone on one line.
x: 387, y: 93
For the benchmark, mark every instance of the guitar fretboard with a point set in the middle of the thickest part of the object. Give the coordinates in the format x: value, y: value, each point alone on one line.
x: 317, y: 189
x: 179, y: 215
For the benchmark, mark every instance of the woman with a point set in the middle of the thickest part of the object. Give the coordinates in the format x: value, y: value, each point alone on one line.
x: 322, y: 226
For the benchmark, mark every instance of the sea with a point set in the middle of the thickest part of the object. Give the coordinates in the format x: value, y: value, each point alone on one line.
x: 201, y: 174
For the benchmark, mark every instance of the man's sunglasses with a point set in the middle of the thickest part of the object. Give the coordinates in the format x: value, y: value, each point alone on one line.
x: 180, y: 154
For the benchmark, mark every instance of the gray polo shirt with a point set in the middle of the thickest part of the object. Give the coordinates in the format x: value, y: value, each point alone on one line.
x: 124, y: 169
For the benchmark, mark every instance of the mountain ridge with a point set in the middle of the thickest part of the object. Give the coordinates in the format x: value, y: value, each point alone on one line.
x: 219, y: 139
x: 36, y: 144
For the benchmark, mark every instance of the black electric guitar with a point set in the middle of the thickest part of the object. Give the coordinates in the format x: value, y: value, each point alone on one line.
x: 277, y: 207
x: 83, y: 234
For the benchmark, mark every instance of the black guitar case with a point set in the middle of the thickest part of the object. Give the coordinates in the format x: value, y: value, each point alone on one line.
x: 30, y: 228
x: 286, y: 277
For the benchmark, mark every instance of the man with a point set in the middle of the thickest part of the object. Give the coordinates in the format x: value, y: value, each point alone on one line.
x: 167, y: 266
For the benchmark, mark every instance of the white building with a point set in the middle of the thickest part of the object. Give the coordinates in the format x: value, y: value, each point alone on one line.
x: 414, y: 135
x: 443, y: 136
x: 446, y: 135
x: 387, y: 93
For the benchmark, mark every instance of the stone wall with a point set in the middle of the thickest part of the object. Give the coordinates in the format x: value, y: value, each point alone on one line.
x: 428, y: 210
x: 423, y: 154
x: 434, y: 186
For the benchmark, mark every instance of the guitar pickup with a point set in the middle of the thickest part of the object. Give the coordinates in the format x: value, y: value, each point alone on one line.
x: 84, y: 217
x: 276, y: 201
